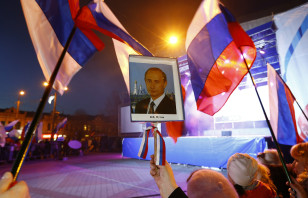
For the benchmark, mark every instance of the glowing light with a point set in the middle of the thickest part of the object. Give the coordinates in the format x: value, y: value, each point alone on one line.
x: 46, y: 136
x: 262, y: 52
x: 236, y: 69
x: 65, y: 88
x: 173, y: 40
x: 223, y: 93
x: 45, y: 84
x: 22, y: 93
x: 271, y: 84
x: 227, y: 61
x: 187, y: 73
x: 223, y: 72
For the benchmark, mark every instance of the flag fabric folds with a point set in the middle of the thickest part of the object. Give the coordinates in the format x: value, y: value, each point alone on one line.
x: 50, y: 23
x: 218, y: 50
x: 282, y: 114
x: 98, y: 16
x: 24, y: 130
x: 10, y: 126
x: 60, y: 125
x: 2, y: 135
x: 160, y: 157
x: 38, y: 132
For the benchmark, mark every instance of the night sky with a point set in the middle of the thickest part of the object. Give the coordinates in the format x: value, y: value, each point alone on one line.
x: 94, y: 88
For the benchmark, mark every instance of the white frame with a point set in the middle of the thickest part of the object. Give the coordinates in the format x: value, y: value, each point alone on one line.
x: 153, y: 62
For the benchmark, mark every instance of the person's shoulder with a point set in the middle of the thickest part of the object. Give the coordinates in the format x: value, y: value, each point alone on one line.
x: 167, y: 99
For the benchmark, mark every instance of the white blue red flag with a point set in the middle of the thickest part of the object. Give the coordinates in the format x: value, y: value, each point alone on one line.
x: 24, y: 131
x: 10, y: 126
x: 50, y: 23
x: 38, y: 132
x: 217, y: 52
x: 60, y: 125
x: 2, y: 135
x: 160, y: 151
x: 282, y: 114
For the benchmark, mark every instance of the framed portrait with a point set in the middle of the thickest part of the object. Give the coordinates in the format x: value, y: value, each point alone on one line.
x: 155, y: 89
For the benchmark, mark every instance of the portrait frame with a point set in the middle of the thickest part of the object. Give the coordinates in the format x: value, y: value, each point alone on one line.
x: 138, y: 65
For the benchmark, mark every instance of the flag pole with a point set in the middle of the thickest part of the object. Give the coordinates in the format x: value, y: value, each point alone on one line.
x: 29, y: 134
x: 269, y: 124
x: 292, y: 94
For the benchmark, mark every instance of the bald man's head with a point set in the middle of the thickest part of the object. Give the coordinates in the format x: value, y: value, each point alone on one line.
x: 208, y: 183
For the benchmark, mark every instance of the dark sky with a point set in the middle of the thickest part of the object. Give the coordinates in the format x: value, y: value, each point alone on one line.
x: 94, y: 87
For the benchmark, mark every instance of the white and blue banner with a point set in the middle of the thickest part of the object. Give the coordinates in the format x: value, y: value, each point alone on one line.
x: 292, y: 41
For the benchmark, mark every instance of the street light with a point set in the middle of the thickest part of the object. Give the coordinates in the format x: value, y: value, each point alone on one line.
x: 173, y: 40
x: 21, y: 93
x: 45, y: 84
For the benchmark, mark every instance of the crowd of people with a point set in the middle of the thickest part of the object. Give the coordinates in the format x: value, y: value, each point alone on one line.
x: 47, y: 149
x: 247, y: 178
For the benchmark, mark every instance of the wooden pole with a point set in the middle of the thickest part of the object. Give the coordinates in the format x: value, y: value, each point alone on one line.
x: 155, y: 140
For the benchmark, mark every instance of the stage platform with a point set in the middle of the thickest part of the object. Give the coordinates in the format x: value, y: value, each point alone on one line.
x: 200, y: 151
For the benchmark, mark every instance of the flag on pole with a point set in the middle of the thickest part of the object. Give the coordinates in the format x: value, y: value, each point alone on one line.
x: 282, y: 114
x: 2, y: 135
x: 60, y: 125
x: 38, y: 132
x: 24, y: 130
x: 14, y: 135
x: 218, y: 50
x: 50, y: 99
x: 10, y: 126
x: 50, y: 23
x: 98, y: 16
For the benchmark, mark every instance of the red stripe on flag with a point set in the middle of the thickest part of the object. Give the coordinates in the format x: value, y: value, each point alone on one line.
x: 74, y: 7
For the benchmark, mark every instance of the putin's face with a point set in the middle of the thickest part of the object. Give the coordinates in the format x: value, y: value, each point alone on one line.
x: 155, y: 83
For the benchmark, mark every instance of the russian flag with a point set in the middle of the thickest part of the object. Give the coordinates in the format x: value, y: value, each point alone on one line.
x: 24, y: 131
x: 98, y: 16
x: 60, y: 125
x: 143, y: 150
x: 2, y: 135
x: 10, y: 126
x: 50, y: 23
x: 217, y: 49
x: 282, y: 114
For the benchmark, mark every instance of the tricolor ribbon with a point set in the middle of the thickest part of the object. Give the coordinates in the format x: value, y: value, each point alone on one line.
x: 161, y: 148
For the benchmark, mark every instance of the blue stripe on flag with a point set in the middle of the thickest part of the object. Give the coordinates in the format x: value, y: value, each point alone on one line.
x: 59, y: 16
x: 205, y: 49
x: 297, y: 37
x: 286, y: 133
x: 218, y: 29
x: 104, y: 23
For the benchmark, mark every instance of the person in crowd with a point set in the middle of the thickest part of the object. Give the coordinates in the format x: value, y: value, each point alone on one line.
x: 201, y: 183
x: 300, y: 154
x: 19, y: 190
x: 299, y: 186
x: 242, y: 173
x: 270, y: 159
x: 159, y: 103
x: 263, y: 175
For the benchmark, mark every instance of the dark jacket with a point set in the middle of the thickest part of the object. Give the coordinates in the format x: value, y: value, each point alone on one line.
x: 166, y: 106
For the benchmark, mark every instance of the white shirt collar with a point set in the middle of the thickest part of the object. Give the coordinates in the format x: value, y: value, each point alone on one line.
x: 156, y: 102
